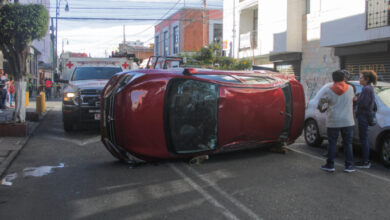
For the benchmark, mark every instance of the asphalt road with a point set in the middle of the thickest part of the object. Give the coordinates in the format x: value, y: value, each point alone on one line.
x: 86, y: 182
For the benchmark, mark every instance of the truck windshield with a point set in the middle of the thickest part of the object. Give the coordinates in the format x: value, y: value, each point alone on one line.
x: 86, y: 73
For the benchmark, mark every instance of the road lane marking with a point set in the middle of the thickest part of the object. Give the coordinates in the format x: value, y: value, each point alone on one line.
x: 340, y: 164
x: 77, y: 142
x: 225, y: 194
x: 208, y: 197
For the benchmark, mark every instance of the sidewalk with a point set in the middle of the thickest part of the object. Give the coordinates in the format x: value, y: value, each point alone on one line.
x: 11, y: 146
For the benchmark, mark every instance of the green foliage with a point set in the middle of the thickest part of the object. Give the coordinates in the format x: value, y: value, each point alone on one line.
x: 21, y: 24
x: 210, y: 57
x: 205, y: 55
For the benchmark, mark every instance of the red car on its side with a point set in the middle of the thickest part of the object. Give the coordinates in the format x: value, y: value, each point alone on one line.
x: 169, y: 113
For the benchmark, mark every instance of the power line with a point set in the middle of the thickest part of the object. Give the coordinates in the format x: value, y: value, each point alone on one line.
x: 120, y: 19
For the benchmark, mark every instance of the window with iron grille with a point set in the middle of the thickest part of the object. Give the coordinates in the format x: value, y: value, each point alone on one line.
x: 157, y: 46
x: 255, y: 27
x: 166, y: 44
x: 176, y: 40
x: 377, y: 13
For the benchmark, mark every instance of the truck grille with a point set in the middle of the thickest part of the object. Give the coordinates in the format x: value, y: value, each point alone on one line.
x: 109, y: 128
x: 288, y: 102
x: 90, y: 97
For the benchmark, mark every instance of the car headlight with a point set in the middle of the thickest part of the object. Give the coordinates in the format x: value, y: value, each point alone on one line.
x: 127, y: 80
x: 70, y: 97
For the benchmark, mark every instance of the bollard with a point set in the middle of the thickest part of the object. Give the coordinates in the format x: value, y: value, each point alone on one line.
x: 43, y: 101
x: 27, y: 98
x: 38, y: 104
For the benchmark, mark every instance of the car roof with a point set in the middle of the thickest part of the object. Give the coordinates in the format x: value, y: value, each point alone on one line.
x: 379, y: 83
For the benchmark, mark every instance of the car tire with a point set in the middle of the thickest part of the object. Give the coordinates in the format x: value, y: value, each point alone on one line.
x: 312, y: 133
x: 384, y: 150
x: 68, y: 127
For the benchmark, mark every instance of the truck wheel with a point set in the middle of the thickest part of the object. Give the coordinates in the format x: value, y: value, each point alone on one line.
x: 68, y: 127
x: 312, y: 133
x: 384, y: 150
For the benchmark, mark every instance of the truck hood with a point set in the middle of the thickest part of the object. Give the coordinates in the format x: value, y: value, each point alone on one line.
x: 73, y: 86
x: 85, y: 84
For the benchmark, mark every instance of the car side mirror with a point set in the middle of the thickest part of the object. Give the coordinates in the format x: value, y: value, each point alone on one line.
x: 63, y: 81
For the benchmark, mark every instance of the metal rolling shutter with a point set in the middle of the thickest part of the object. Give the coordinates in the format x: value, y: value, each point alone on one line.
x: 289, y: 68
x: 379, y: 62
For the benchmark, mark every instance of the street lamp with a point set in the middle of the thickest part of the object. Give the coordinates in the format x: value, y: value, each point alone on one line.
x: 67, y: 43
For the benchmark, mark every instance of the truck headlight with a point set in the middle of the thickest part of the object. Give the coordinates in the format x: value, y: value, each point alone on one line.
x: 70, y: 98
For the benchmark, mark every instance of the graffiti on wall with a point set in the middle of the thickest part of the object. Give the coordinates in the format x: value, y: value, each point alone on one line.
x: 314, y: 77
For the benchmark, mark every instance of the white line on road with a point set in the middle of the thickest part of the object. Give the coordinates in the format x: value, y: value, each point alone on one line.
x: 225, y: 194
x: 339, y: 164
x: 208, y: 197
x: 77, y: 142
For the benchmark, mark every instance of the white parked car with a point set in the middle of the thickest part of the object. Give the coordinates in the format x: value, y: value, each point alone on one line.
x: 379, y: 135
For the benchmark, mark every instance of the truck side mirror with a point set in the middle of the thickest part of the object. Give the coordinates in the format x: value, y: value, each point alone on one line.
x: 63, y: 81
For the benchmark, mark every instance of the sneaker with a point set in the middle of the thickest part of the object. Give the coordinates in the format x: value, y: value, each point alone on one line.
x: 328, y: 168
x: 362, y: 164
x: 349, y: 169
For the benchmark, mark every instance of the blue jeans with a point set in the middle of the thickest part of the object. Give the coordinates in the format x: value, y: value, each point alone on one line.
x: 363, y: 136
x: 347, y: 135
x: 10, y: 97
x: 3, y: 98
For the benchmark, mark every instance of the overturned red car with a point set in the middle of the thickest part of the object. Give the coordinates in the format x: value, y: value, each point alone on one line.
x: 152, y: 114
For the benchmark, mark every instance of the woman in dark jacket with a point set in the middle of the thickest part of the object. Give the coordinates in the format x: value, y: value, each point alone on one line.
x: 365, y: 104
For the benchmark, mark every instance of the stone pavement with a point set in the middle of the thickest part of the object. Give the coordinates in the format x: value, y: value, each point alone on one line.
x: 11, y: 146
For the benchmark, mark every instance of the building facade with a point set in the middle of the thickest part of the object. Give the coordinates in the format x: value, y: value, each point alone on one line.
x: 137, y: 48
x: 310, y: 38
x: 187, y: 30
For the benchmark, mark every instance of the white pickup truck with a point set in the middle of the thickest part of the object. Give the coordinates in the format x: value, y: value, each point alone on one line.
x: 81, y: 95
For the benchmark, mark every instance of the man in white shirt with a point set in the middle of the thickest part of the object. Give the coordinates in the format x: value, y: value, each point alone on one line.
x: 339, y: 99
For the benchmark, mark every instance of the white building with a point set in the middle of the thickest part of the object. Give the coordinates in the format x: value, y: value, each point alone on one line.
x: 310, y: 38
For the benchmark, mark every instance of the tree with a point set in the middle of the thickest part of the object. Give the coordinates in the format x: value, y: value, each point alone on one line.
x: 20, y: 25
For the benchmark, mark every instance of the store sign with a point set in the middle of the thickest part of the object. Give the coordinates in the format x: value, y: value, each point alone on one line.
x: 225, y: 44
x: 359, y: 68
x: 245, y: 40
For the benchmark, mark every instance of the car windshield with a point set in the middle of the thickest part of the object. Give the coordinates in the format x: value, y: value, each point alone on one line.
x: 86, y: 73
x: 383, y: 94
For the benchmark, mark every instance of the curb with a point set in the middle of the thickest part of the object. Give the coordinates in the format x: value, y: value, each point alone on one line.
x: 11, y: 156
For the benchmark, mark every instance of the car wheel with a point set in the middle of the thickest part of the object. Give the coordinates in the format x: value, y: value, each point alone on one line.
x: 312, y: 133
x: 384, y: 150
x: 68, y: 127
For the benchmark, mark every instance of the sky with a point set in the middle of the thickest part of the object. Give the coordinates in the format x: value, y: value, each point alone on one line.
x: 99, y: 37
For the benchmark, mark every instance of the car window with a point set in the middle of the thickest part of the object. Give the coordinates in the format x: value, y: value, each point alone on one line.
x: 358, y: 89
x: 219, y: 78
x: 383, y: 94
x: 257, y: 79
x: 86, y: 73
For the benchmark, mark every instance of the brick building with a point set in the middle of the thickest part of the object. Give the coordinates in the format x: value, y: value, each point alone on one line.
x: 187, y: 31
x: 137, y: 48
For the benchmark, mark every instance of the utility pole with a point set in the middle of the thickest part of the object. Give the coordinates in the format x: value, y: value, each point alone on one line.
x: 234, y: 27
x: 204, y: 28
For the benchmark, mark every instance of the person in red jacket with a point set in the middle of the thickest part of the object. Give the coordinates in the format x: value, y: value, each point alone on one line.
x: 48, y: 86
